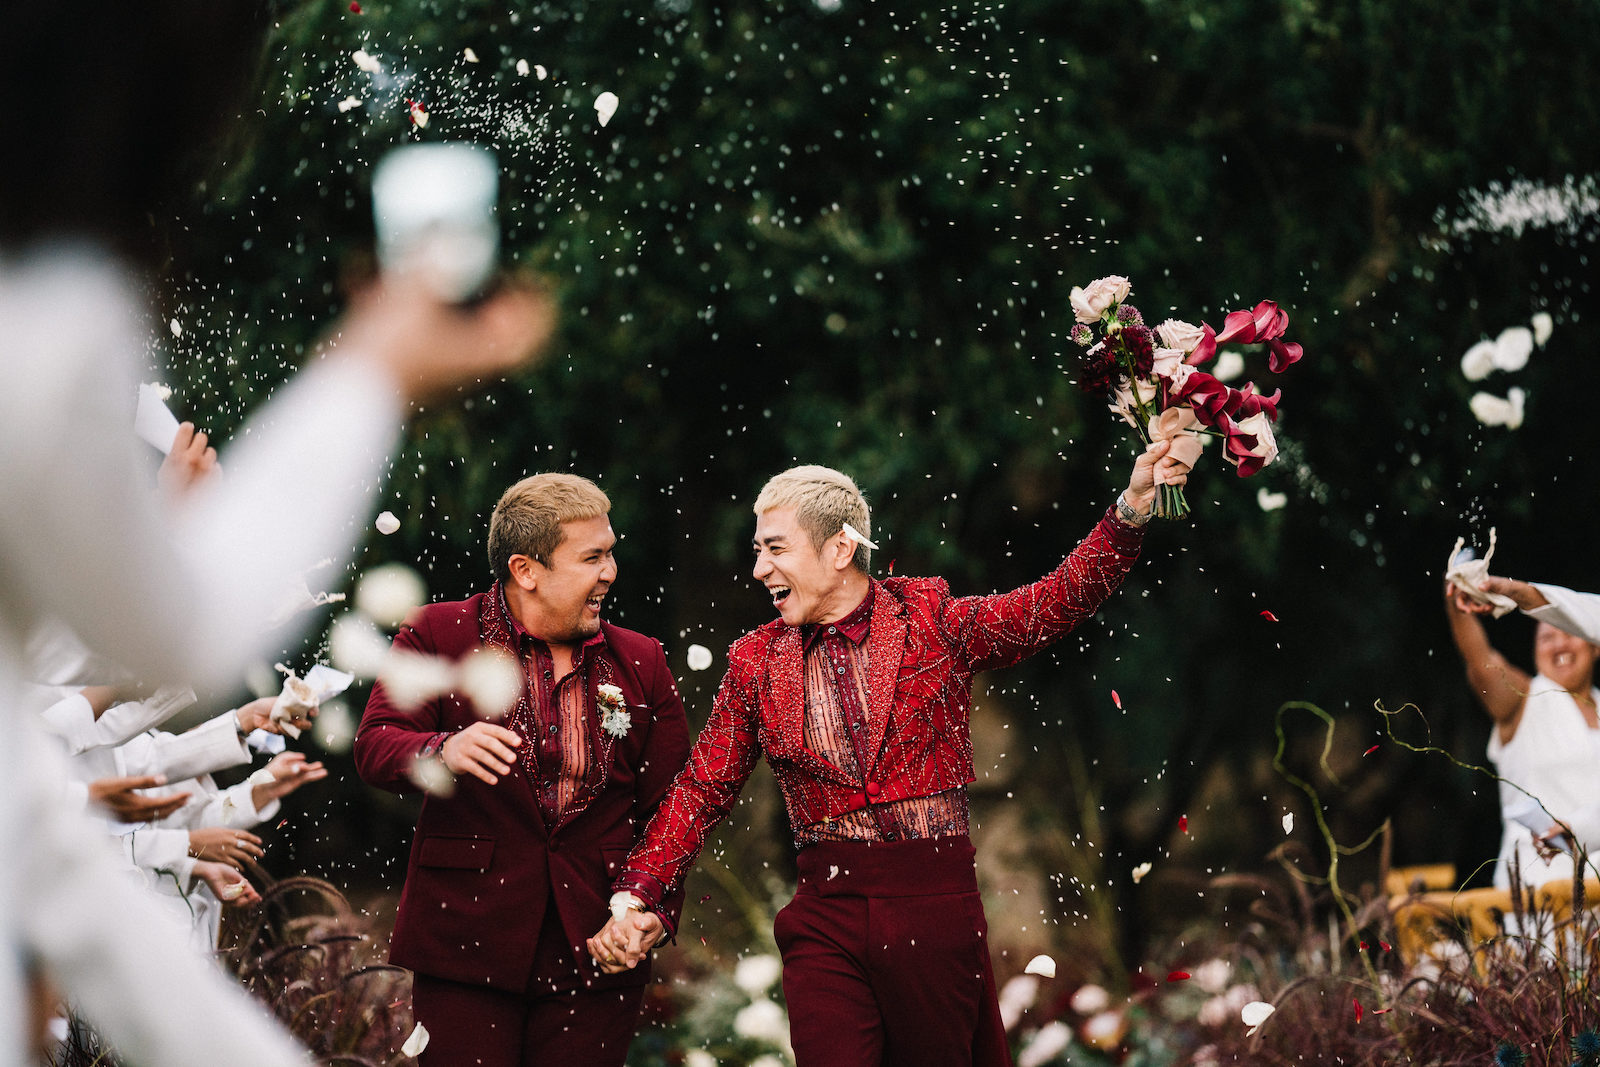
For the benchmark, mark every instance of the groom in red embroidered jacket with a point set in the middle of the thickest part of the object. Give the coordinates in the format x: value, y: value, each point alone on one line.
x: 511, y: 869
x: 859, y: 695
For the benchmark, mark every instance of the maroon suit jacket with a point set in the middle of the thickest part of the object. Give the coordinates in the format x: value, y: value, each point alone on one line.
x: 484, y: 867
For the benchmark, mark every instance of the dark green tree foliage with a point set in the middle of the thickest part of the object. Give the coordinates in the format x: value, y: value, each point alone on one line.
x: 847, y: 236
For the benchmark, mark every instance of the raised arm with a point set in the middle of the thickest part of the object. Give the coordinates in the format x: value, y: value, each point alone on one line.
x: 1005, y: 628
x: 1502, y: 687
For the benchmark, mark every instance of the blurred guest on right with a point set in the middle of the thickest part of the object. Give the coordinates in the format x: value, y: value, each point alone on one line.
x: 1545, y: 742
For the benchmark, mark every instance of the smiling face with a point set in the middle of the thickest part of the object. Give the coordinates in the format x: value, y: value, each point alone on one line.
x: 1567, y: 660
x: 560, y: 604
x: 807, y: 584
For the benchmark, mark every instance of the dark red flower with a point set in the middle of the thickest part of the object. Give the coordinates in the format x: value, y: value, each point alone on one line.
x: 1140, y: 344
x: 1205, y: 349
x: 1247, y: 402
x: 1208, y: 396
x: 1265, y: 322
x: 1098, y: 371
x: 1281, y: 355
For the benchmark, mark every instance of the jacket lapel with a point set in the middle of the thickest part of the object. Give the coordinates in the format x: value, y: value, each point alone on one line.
x: 886, y: 646
x: 786, y: 673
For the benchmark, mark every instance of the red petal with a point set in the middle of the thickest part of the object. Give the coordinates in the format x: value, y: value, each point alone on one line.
x: 355, y: 8
x: 1363, y: 946
x: 1116, y: 700
x: 1281, y: 355
x: 1238, y: 326
x: 702, y: 940
x: 1370, y: 751
x: 1384, y: 945
x: 1205, y: 349
x: 1178, y: 976
x: 1183, y: 824
x: 1381, y: 1011
x: 1357, y: 1003
x: 1269, y: 616
x: 891, y: 567
x: 705, y: 898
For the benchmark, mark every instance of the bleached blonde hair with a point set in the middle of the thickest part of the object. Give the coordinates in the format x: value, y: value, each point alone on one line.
x: 528, y: 519
x: 823, y: 500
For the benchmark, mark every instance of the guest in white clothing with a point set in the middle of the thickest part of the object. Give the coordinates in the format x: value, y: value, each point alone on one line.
x: 1545, y: 743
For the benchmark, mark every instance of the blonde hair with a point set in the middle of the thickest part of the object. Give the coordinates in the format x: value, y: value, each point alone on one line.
x: 527, y: 521
x: 823, y: 500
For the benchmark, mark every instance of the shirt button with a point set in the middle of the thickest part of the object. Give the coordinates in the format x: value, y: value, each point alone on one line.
x: 841, y: 670
x: 833, y: 630
x: 553, y: 730
x: 891, y: 836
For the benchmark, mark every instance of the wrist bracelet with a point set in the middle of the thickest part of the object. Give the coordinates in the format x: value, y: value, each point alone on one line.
x: 1126, y: 513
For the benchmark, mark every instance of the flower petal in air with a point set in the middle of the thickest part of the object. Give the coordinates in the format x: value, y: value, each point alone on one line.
x: 1478, y: 361
x: 699, y: 657
x: 605, y: 105
x: 1140, y: 871
x: 1254, y: 1014
x: 386, y: 523
x: 1041, y: 965
x: 1543, y: 325
x: 416, y: 1042
x: 1512, y: 348
x: 1288, y: 822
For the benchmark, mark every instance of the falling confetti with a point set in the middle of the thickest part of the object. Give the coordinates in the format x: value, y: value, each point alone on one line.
x: 492, y: 681
x: 1543, y: 325
x: 349, y: 103
x: 1288, y: 822
x: 429, y: 774
x: 1041, y: 965
x: 540, y: 73
x: 1268, y: 501
x: 1357, y: 1004
x: 469, y: 55
x: 1363, y: 946
x: 387, y: 523
x: 522, y: 67
x: 605, y: 105
x: 176, y: 327
x: 1183, y: 824
x: 1115, y: 699
x: 706, y: 899
x: 1140, y: 871
x: 366, y: 62
x: 1370, y: 751
x: 1178, y: 976
x: 1385, y: 946
x: 1269, y: 616
x: 418, y: 113
x: 1254, y: 1014
x: 419, y: 1036
x: 699, y: 657
x: 386, y: 593
x: 355, y: 8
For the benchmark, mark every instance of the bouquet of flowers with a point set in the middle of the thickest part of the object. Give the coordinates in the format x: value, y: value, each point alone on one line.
x: 1152, y: 378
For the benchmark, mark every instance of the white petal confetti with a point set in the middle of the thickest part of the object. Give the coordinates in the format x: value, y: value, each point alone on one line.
x: 1478, y: 362
x: 1543, y: 325
x: 335, y: 727
x: 1269, y: 501
x: 605, y: 105
x: 355, y: 645
x: 429, y: 774
x: 386, y: 593
x: 857, y: 536
x: 1090, y: 1000
x: 522, y: 67
x: 1492, y: 410
x: 387, y: 523
x: 1041, y: 965
x: 1254, y: 1014
x: 416, y: 1042
x: 469, y: 55
x: 232, y: 891
x: 349, y: 103
x: 1140, y: 871
x: 492, y: 681
x: 1288, y: 822
x: 540, y: 72
x: 412, y: 680
x: 1513, y: 347
x: 699, y: 657
x: 176, y: 327
x: 418, y: 112
x: 366, y: 62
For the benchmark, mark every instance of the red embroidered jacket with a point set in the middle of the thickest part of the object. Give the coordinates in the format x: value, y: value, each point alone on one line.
x: 923, y: 648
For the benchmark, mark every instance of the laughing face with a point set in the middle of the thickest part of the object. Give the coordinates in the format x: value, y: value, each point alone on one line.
x: 807, y: 584
x: 563, y: 600
x: 1566, y: 660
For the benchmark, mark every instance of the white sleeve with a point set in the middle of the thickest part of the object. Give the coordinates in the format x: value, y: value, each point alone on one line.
x: 124, y: 958
x: 212, y: 746
x: 158, y: 848
x: 1576, y: 613
x: 122, y: 722
x: 233, y: 807
x: 178, y: 597
x: 72, y: 719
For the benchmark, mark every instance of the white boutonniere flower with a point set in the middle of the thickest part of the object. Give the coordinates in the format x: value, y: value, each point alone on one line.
x: 615, y: 719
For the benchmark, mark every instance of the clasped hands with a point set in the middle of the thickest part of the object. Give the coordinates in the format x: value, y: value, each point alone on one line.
x: 623, y: 941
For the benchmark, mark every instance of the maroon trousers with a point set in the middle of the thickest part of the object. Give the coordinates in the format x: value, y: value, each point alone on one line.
x: 557, y: 1022
x: 886, y: 958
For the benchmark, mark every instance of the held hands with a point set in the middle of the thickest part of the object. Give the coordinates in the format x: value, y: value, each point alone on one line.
x: 1142, y: 483
x: 621, y: 944
x: 122, y: 799
x: 1526, y: 596
x: 190, y: 463
x: 483, y: 750
x: 225, y: 846
x: 257, y: 715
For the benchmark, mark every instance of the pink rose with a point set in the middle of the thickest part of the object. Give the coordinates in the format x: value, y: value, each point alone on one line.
x: 1091, y: 303
x: 1166, y: 362
x: 1184, y: 336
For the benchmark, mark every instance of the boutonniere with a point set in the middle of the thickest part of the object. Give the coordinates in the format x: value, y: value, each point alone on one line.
x: 615, y: 719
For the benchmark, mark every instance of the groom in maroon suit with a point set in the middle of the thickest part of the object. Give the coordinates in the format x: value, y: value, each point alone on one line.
x: 511, y: 869
x: 860, y: 695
